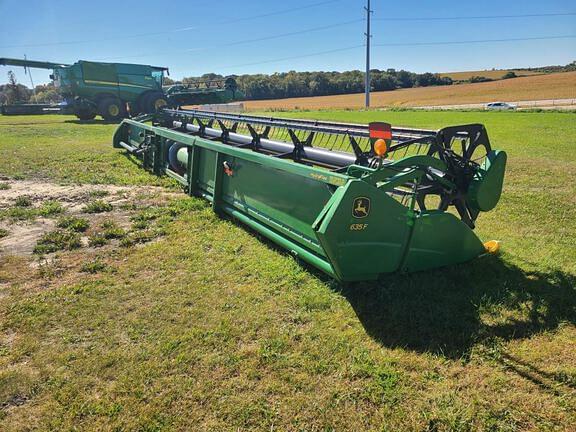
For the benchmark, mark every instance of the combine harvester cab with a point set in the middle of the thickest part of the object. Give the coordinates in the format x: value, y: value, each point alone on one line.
x: 355, y: 201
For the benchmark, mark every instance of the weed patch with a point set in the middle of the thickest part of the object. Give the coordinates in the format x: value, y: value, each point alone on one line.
x: 94, y: 267
x: 23, y: 201
x: 141, y: 236
x: 99, y: 193
x: 110, y: 230
x: 50, y: 208
x: 57, y: 240
x: 23, y: 210
x: 140, y: 224
x: 73, y: 223
x: 97, y: 240
x: 18, y: 213
x: 98, y: 206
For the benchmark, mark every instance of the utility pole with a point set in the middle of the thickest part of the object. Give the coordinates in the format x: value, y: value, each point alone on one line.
x: 368, y: 36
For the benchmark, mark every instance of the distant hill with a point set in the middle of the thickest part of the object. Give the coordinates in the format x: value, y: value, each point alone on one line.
x: 496, y: 74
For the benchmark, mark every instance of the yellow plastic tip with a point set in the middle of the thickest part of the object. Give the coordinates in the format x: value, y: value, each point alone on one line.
x: 492, y: 246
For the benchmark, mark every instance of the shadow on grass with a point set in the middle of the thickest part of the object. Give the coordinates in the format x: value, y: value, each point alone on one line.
x: 447, y: 311
x: 554, y: 383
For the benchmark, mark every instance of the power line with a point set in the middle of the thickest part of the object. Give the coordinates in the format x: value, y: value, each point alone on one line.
x: 397, y: 44
x: 268, y: 14
x: 476, y: 41
x: 181, y: 29
x: 479, y: 17
x: 294, y: 33
x: 294, y: 57
x: 241, y: 42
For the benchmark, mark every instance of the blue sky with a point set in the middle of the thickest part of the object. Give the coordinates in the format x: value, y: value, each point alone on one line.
x: 199, y: 36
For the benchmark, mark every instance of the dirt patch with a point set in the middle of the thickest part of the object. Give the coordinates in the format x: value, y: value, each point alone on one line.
x: 22, y: 236
x: 68, y: 195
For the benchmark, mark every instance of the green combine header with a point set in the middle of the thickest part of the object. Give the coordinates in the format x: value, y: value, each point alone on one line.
x: 355, y: 201
x: 119, y: 90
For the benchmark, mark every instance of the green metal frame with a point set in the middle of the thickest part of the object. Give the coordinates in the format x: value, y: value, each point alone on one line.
x: 310, y: 210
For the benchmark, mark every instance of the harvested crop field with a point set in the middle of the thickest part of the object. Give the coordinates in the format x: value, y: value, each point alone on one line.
x: 494, y: 74
x: 551, y: 86
x: 154, y: 314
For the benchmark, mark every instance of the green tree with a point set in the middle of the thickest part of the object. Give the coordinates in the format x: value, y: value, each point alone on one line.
x: 509, y: 74
x: 15, y: 94
x: 168, y: 81
x: 302, y: 84
x: 47, y: 93
x: 479, y: 79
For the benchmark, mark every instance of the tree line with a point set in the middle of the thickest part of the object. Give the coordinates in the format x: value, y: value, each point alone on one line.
x: 13, y: 92
x: 570, y: 67
x: 304, y: 84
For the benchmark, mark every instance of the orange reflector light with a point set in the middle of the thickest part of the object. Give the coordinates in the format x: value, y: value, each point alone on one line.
x: 380, y: 130
x: 380, y: 147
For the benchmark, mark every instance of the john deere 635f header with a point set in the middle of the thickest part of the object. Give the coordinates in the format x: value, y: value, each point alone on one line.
x: 354, y: 201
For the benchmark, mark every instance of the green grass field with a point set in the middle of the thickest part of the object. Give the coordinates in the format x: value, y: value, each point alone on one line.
x: 213, y: 328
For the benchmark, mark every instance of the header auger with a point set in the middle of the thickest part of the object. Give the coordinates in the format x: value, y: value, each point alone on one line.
x: 355, y: 201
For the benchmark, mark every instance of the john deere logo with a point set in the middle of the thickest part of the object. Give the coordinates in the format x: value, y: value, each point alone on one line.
x: 361, y: 207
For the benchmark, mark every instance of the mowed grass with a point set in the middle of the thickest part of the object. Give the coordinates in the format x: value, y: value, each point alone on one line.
x: 527, y: 88
x: 63, y: 149
x: 214, y: 328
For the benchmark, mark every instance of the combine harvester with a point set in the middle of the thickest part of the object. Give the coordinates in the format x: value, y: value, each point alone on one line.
x: 114, y: 90
x: 355, y: 201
